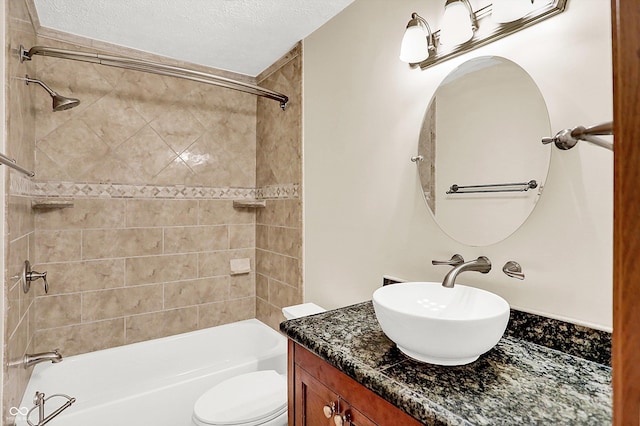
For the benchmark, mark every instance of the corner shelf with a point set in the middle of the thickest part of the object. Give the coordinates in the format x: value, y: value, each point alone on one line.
x: 249, y: 204
x: 51, y: 203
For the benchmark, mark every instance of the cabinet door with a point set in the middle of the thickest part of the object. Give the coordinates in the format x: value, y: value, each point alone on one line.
x: 316, y: 405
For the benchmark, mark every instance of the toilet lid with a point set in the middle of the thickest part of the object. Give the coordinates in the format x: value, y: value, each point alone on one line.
x: 243, y: 399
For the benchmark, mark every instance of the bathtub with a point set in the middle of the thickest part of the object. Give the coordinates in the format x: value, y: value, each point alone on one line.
x: 154, y: 382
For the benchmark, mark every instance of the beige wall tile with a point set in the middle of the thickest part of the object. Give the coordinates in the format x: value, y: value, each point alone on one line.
x: 196, y: 239
x: 113, y: 119
x: 221, y: 212
x: 144, y: 213
x: 57, y: 246
x: 293, y: 272
x: 12, y: 309
x: 20, y: 217
x: 285, y: 241
x: 270, y: 264
x: 73, y: 146
x: 161, y: 324
x: 158, y: 269
x: 219, y: 313
x: 217, y: 263
x: 279, y: 137
x: 147, y: 151
x: 72, y: 277
x: 178, y: 128
x: 17, y: 253
x: 262, y: 286
x: 243, y: 286
x: 262, y: 237
x: 110, y: 243
x: 269, y: 314
x: 82, y: 338
x: 85, y: 213
x: 281, y: 295
x: 242, y: 236
x: 212, y: 264
x: 196, y: 292
x: 105, y: 304
x: 58, y: 311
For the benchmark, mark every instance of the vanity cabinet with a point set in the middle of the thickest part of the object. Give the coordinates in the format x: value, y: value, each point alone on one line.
x: 321, y: 395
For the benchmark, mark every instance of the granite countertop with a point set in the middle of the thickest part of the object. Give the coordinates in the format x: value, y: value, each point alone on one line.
x: 517, y: 382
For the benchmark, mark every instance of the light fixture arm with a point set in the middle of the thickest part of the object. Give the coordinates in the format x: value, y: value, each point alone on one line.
x: 431, y: 45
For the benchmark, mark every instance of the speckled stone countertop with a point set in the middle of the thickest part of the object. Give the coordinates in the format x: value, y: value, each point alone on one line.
x: 518, y: 382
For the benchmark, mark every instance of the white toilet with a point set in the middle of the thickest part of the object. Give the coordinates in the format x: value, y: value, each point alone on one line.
x: 258, y: 398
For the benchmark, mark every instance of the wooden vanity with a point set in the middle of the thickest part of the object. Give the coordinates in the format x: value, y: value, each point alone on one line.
x: 319, y: 394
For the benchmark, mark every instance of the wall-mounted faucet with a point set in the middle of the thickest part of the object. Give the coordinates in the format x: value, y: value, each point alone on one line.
x: 481, y: 264
x: 32, y: 359
x: 455, y: 260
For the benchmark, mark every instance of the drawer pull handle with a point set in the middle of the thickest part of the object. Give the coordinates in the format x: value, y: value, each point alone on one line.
x: 341, y: 420
x: 329, y: 410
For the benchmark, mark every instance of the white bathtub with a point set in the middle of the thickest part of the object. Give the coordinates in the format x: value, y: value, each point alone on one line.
x: 154, y: 382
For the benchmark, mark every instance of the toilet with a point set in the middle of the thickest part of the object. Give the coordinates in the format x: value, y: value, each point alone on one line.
x: 258, y: 398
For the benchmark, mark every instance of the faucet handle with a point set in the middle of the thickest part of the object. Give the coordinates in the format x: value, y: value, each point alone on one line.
x: 513, y: 269
x: 455, y: 260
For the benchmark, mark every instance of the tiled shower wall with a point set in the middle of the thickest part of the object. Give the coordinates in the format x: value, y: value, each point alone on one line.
x: 279, y: 225
x: 151, y: 166
x: 19, y: 227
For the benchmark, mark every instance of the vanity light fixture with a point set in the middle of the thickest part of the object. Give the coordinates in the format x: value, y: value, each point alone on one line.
x: 458, y: 23
x: 504, y: 11
x: 413, y: 48
x: 464, y: 29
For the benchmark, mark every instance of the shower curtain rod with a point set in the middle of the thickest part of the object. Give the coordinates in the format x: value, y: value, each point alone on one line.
x: 568, y: 138
x: 154, y: 68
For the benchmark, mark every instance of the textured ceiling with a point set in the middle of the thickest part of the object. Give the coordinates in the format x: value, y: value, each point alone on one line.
x: 243, y: 36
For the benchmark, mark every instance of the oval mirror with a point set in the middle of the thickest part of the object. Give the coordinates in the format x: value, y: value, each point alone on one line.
x: 483, y: 166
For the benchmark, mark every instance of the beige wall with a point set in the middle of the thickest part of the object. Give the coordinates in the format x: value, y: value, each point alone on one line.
x: 151, y: 166
x: 364, y: 212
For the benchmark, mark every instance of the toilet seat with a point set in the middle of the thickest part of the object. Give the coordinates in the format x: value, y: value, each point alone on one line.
x: 250, y: 399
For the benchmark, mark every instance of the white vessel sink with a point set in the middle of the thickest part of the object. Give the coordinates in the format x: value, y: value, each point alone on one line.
x: 438, y: 325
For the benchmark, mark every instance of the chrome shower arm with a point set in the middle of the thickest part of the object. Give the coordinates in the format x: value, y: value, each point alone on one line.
x: 42, y: 84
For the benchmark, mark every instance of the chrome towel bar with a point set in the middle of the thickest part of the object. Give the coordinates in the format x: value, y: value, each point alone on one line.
x: 12, y: 163
x: 494, y: 187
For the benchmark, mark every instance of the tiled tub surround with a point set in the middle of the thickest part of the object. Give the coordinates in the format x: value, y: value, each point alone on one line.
x: 517, y: 382
x: 153, y: 164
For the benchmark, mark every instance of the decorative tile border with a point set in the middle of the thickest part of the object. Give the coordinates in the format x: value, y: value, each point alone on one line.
x: 21, y: 186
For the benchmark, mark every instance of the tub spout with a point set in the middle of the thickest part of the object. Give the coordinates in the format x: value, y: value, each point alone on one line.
x: 481, y: 264
x: 33, y: 359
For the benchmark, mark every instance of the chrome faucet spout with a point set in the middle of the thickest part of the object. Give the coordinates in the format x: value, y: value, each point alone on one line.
x: 482, y: 264
x: 33, y: 359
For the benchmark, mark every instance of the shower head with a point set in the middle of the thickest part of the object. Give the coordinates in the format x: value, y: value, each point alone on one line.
x: 60, y: 103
